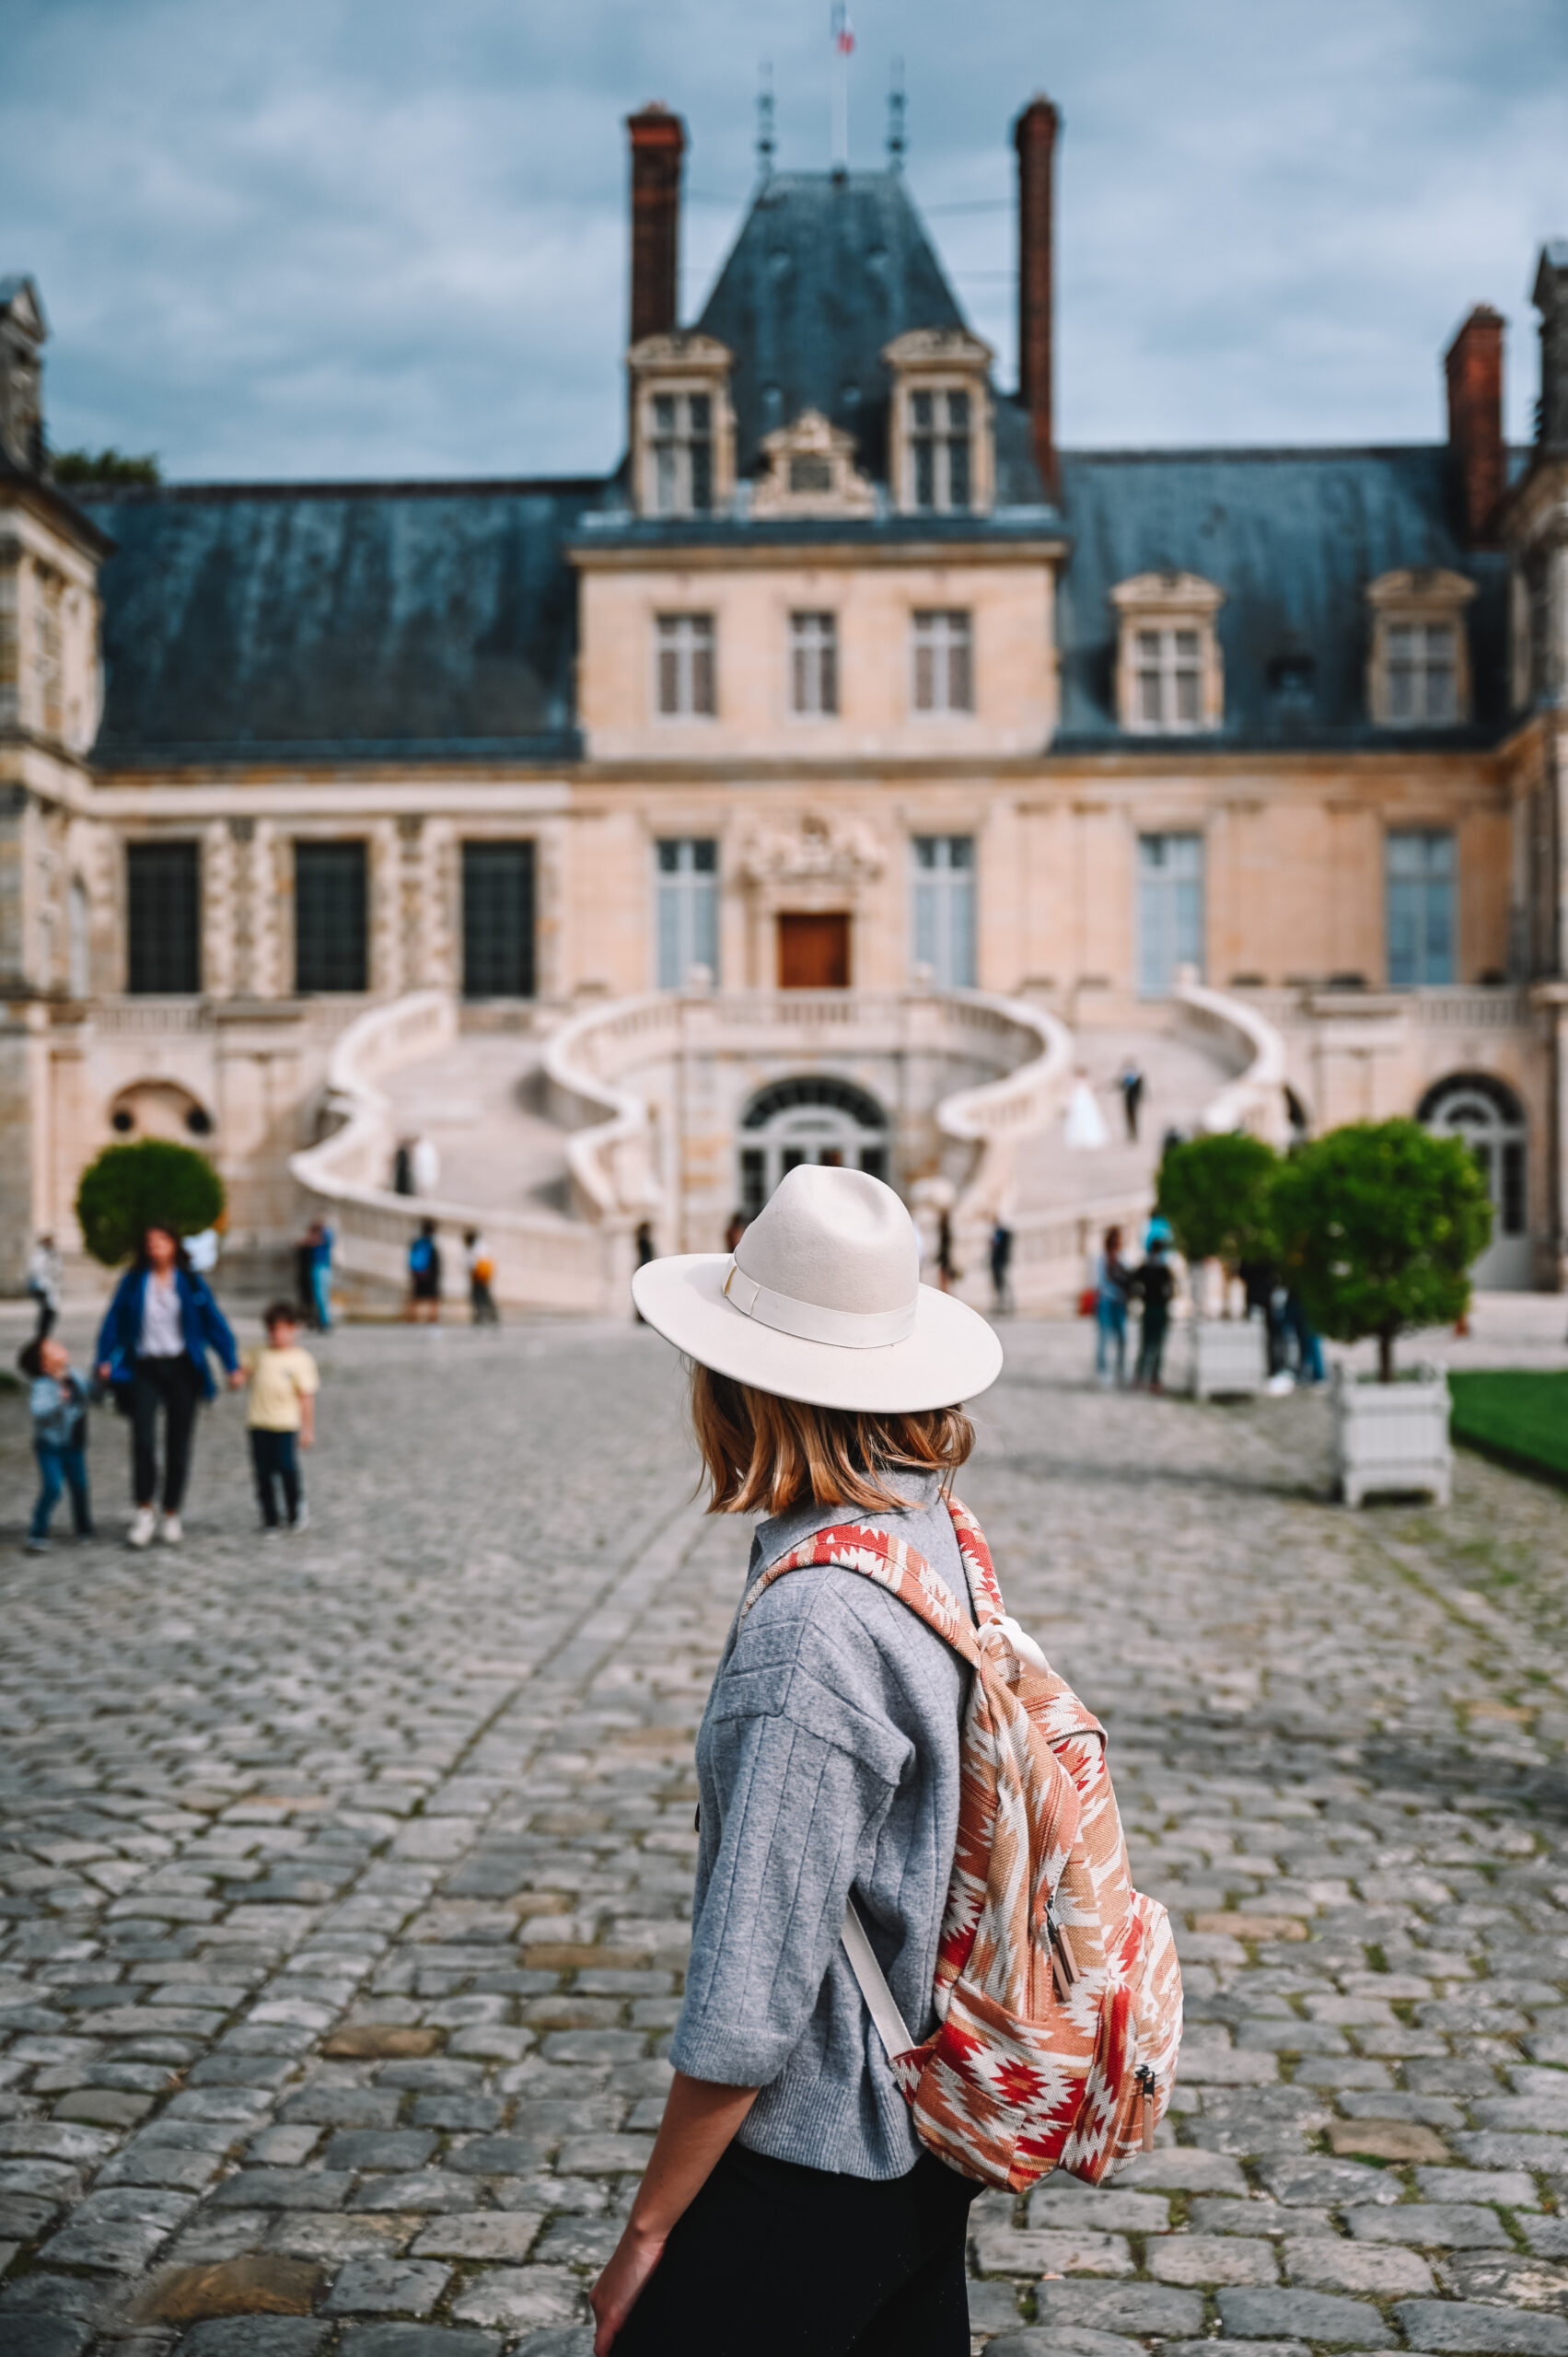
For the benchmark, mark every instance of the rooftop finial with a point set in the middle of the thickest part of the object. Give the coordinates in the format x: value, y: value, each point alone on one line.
x: 766, y: 142
x: 898, y: 140
x: 844, y: 49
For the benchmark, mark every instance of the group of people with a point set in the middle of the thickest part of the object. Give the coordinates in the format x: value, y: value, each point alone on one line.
x: 153, y: 1362
x: 423, y: 1305
x: 1150, y: 1284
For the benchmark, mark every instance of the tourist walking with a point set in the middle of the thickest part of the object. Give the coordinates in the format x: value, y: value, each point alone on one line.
x: 788, y: 2204
x: 59, y: 1402
x: 425, y: 1277
x: 1001, y: 1264
x: 281, y: 1417
x: 1154, y: 1284
x: 402, y: 1168
x: 482, y: 1270
x: 319, y: 1241
x: 152, y: 1348
x: 1111, y: 1279
x: 1130, y: 1081
x: 46, y: 1282
x: 425, y: 1166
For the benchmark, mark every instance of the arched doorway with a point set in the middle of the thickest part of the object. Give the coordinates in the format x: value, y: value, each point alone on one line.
x: 1487, y: 1115
x: 811, y: 1119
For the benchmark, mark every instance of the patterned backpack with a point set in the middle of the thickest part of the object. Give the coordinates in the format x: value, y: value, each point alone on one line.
x: 1058, y: 1993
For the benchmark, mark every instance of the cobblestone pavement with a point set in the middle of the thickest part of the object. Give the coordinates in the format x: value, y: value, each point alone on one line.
x: 343, y: 1897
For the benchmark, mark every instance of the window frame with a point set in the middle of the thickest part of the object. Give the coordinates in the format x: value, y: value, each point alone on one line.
x: 1148, y: 987
x: 1429, y: 882
x: 684, y: 627
x: 145, y: 977
x: 935, y: 440
x: 1419, y: 601
x: 1169, y: 608
x: 473, y: 850
x: 933, y: 633
x: 690, y: 888
x: 690, y: 447
x: 943, y: 886
x: 814, y: 658
x: 358, y: 867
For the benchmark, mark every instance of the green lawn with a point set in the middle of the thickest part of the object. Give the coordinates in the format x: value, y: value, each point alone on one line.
x: 1515, y: 1414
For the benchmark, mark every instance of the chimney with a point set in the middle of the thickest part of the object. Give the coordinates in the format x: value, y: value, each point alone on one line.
x: 658, y: 141
x: 1034, y: 136
x: 1473, y: 365
x: 1550, y: 299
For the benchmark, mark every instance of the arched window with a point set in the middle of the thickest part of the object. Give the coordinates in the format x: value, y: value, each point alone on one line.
x: 811, y: 1118
x: 1484, y: 1113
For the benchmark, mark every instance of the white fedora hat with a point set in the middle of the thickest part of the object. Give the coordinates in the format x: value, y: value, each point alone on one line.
x: 822, y: 1300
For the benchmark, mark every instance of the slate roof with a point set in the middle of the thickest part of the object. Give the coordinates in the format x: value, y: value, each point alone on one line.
x: 403, y: 621
x: 827, y: 268
x: 1292, y: 538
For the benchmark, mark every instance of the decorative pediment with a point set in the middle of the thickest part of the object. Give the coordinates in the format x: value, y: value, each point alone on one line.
x: 21, y: 306
x: 1421, y: 590
x: 938, y: 348
x: 811, y: 472
x: 680, y: 354
x: 1169, y: 593
x: 823, y: 849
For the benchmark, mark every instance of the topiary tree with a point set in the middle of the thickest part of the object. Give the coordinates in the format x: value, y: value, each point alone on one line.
x: 154, y: 1183
x: 1215, y: 1193
x: 1379, y: 1223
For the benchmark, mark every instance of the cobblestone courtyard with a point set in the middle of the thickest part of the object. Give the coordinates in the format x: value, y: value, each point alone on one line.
x: 345, y: 1876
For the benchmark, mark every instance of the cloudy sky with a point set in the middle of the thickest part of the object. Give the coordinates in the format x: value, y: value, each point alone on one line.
x: 360, y: 238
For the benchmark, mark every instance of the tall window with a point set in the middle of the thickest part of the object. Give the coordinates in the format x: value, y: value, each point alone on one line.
x: 944, y: 908
x: 329, y: 902
x: 1423, y: 690
x: 939, y: 450
x: 685, y: 654
x: 1170, y: 909
x: 943, y: 661
x: 163, y: 909
x: 498, y: 920
x: 1421, y: 873
x: 687, y: 888
x: 813, y: 663
x: 680, y: 453
x: 1169, y: 680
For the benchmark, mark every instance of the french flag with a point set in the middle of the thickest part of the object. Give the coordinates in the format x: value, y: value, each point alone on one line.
x: 843, y: 32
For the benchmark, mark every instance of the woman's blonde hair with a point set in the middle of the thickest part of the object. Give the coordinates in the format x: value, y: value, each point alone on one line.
x: 763, y: 1454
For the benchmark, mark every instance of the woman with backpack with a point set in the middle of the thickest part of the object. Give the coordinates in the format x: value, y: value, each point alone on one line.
x: 424, y: 1304
x: 152, y: 1349
x: 789, y: 2203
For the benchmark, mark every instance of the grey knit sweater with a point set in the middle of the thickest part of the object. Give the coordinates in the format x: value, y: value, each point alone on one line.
x: 827, y: 1761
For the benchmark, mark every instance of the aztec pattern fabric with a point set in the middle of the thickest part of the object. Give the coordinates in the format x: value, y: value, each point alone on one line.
x: 1058, y: 1993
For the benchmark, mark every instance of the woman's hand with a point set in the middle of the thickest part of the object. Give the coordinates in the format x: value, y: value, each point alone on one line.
x: 618, y: 2288
x: 236, y: 1378
x: 103, y: 1371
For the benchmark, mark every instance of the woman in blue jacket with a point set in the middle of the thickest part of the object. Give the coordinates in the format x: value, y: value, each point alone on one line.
x: 153, y: 1347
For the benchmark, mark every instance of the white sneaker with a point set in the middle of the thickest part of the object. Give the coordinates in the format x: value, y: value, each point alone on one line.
x: 171, y: 1529
x: 144, y: 1522
x: 302, y: 1519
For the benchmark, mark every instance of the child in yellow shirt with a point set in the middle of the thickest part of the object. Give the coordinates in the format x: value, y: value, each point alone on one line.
x: 284, y: 1383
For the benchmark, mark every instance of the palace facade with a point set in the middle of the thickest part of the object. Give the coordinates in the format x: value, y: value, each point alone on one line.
x: 846, y: 678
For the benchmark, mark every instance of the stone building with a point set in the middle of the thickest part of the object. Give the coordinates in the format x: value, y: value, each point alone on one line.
x: 846, y: 681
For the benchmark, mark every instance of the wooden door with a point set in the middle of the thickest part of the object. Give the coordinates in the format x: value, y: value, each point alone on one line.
x: 814, y: 950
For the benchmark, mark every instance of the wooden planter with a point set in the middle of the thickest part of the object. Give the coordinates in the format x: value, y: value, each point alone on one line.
x: 1392, y: 1436
x: 1226, y: 1358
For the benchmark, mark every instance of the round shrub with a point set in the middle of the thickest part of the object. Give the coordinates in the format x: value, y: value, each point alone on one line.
x: 1377, y: 1226
x: 153, y: 1183
x: 1215, y: 1193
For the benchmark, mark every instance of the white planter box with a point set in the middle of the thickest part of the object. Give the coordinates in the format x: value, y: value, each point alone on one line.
x: 1227, y: 1357
x: 1393, y: 1435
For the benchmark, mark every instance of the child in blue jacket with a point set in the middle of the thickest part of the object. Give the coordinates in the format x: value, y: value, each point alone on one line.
x: 59, y: 1402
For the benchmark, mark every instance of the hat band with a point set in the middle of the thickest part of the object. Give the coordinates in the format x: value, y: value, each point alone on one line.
x: 847, y: 1329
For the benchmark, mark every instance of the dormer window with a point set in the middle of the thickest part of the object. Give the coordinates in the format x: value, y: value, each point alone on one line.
x: 1418, y: 664
x: 680, y: 446
x: 941, y: 461
x: 682, y: 426
x: 1169, y: 676
x: 939, y: 432
x: 810, y: 471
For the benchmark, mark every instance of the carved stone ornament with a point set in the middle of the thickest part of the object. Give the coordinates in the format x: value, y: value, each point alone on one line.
x: 811, y: 472
x: 822, y: 850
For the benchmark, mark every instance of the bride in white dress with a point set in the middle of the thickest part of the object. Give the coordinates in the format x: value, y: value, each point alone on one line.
x: 1085, y: 1124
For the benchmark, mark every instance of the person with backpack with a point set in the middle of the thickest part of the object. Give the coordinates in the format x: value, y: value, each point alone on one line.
x: 1153, y: 1284
x: 152, y: 1350
x: 482, y: 1271
x: 866, y: 1774
x: 423, y: 1306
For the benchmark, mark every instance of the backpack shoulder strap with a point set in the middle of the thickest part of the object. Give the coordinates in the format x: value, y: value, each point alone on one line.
x: 893, y: 1563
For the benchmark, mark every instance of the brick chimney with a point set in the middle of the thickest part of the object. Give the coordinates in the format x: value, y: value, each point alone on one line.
x: 1034, y: 136
x: 658, y: 142
x: 1473, y: 365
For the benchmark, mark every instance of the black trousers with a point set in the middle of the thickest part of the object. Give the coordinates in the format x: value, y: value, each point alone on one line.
x: 775, y: 2260
x: 175, y: 1385
x: 273, y: 1457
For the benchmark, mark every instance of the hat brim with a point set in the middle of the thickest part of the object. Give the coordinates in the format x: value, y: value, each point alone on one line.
x: 951, y: 1355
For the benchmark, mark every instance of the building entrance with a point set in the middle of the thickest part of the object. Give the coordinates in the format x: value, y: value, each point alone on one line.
x: 812, y: 1119
x: 1487, y: 1115
x: 814, y: 950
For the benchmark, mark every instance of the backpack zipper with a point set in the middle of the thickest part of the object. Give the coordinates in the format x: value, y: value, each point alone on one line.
x: 1146, y: 2079
x: 1063, y: 1963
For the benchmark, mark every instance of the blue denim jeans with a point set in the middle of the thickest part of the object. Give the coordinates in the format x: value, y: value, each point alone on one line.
x: 322, y: 1296
x: 62, y: 1468
x: 1110, y: 1316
